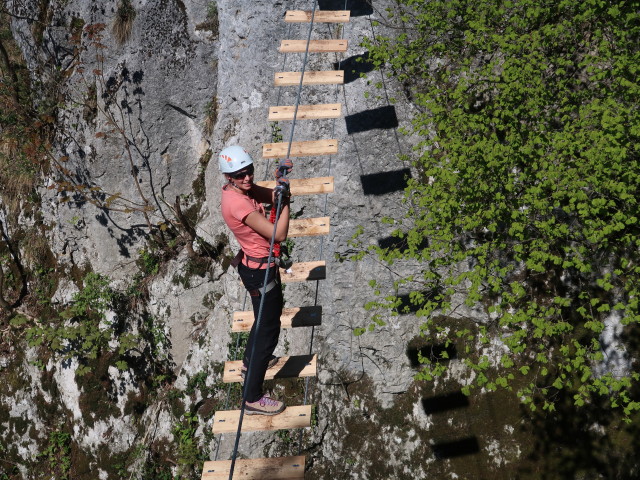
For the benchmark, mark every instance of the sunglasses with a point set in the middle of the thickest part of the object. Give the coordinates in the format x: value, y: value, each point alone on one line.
x: 242, y: 173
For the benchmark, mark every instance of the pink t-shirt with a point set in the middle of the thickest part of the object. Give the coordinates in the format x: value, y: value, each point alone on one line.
x: 235, y: 207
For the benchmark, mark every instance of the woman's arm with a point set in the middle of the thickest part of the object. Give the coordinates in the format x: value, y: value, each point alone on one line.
x: 264, y: 227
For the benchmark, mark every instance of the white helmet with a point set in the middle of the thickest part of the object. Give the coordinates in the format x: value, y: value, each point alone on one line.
x: 234, y: 158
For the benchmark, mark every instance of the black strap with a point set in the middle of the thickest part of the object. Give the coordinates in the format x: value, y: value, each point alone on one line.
x: 270, y: 285
x: 261, y: 260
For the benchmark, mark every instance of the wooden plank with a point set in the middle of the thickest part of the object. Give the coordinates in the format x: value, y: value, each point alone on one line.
x: 305, y: 186
x: 281, y: 468
x: 226, y: 421
x: 324, y: 16
x: 315, y: 46
x: 308, y: 148
x: 305, y: 112
x: 309, y: 227
x: 323, y: 77
x: 297, y: 366
x: 304, y: 271
x: 290, y: 318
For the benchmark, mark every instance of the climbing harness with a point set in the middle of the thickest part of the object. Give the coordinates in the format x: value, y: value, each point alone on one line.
x: 275, y: 258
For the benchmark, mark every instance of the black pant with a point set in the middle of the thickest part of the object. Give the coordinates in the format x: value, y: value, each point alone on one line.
x: 267, y: 338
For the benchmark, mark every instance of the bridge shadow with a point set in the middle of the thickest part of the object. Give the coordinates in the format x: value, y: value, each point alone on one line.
x: 408, y: 306
x: 400, y: 243
x: 294, y: 366
x: 307, y: 317
x: 354, y: 66
x: 433, y: 352
x: 445, y: 402
x: 456, y: 448
x: 376, y: 118
x: 358, y: 8
x: 317, y: 273
x: 385, y: 182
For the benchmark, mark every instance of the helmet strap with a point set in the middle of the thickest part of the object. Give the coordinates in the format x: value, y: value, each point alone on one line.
x: 236, y: 187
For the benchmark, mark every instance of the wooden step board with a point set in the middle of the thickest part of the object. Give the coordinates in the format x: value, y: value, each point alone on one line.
x: 282, y: 468
x: 324, y: 16
x: 305, y: 271
x: 309, y: 227
x: 290, y: 318
x: 315, y: 46
x: 325, y: 77
x: 287, y: 367
x: 305, y: 186
x: 226, y: 421
x: 305, y: 112
x: 309, y: 148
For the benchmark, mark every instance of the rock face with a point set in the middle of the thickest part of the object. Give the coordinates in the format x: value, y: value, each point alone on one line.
x: 142, y: 115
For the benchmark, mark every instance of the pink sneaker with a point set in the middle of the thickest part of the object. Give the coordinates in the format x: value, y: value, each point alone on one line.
x: 264, y: 406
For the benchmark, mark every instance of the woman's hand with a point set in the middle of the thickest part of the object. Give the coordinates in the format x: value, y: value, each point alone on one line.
x: 284, y: 168
x: 282, y: 190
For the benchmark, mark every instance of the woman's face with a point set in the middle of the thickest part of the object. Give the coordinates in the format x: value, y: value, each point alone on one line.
x: 242, y: 179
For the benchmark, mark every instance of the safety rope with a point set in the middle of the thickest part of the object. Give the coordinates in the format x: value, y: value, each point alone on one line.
x: 271, y: 248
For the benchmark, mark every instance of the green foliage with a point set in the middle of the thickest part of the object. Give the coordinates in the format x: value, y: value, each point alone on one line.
x: 194, y: 267
x: 82, y: 330
x: 44, y: 284
x: 190, y: 457
x: 125, y: 11
x: 237, y: 345
x: 24, y: 129
x: 158, y: 472
x: 526, y: 199
x: 276, y: 133
x: 153, y: 332
x: 212, y: 10
x: 148, y: 261
x: 198, y: 381
x: 210, y: 116
x: 285, y: 437
x: 58, y: 454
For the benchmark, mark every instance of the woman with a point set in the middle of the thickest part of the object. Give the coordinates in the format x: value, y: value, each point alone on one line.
x: 244, y: 214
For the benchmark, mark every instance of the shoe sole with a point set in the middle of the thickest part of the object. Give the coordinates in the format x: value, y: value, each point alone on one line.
x: 256, y: 412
